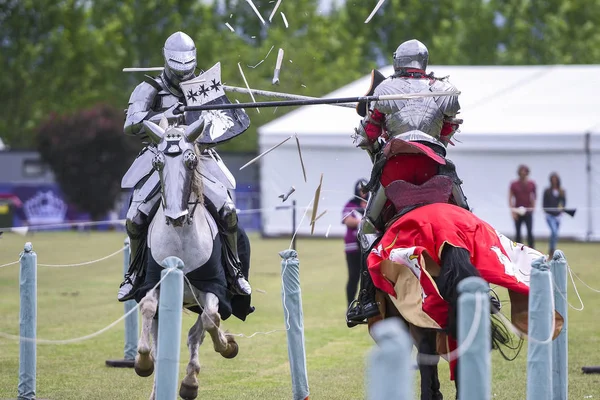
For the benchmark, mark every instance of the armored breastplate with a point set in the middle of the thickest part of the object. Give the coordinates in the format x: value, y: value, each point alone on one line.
x: 164, y: 100
x: 424, y: 114
x: 167, y: 97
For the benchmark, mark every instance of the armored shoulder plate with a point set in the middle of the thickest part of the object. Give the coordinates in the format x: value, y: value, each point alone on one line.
x: 140, y: 103
x: 449, y: 105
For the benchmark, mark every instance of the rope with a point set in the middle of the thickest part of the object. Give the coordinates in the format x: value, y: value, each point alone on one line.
x: 68, y: 224
x: 82, y: 338
x: 255, y: 333
x: 520, y: 333
x: 71, y: 265
x: 10, y: 263
x: 580, y: 280
x: 84, y: 263
x: 576, y: 292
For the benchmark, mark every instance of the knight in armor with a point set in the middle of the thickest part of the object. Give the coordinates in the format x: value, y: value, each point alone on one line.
x: 406, y: 140
x: 151, y: 100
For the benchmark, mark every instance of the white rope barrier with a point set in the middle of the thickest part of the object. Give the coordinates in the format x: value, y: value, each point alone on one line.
x: 71, y: 265
x: 84, y: 263
x: 9, y: 264
x: 82, y: 338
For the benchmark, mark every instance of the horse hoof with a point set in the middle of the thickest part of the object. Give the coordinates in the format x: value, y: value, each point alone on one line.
x: 232, y: 348
x: 144, y: 373
x: 188, y: 392
x: 144, y: 366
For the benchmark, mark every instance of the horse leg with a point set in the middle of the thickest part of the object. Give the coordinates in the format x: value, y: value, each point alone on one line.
x: 430, y: 383
x: 144, y: 361
x: 189, y: 385
x: 225, y: 344
x: 153, y: 352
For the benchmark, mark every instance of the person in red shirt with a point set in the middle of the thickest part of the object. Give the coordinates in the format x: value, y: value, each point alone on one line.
x: 521, y: 199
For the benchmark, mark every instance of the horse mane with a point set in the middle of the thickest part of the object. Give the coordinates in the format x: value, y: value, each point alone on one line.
x: 197, y: 183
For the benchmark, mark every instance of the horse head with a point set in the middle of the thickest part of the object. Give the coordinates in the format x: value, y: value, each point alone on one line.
x: 176, y: 160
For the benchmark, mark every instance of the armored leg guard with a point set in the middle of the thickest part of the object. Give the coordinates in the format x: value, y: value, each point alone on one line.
x: 229, y: 221
x: 368, y: 234
x: 135, y: 275
x: 140, y: 213
x: 457, y: 193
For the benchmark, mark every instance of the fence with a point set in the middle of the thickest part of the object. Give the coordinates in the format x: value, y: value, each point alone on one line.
x: 389, y: 373
x: 169, y: 324
x: 547, y: 359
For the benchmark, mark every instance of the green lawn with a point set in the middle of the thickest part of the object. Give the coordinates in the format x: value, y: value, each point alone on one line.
x: 74, y: 302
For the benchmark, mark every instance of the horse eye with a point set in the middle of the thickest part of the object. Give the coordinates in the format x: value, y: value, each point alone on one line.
x: 190, y: 160
x: 158, y: 162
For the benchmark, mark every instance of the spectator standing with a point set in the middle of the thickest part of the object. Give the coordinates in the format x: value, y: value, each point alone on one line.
x: 351, y: 216
x: 554, y: 202
x: 521, y: 199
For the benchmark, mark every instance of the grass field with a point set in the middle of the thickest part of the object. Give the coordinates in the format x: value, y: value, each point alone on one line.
x: 74, y: 302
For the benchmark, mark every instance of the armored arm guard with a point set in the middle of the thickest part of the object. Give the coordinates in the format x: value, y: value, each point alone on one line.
x: 450, y: 107
x: 140, y: 108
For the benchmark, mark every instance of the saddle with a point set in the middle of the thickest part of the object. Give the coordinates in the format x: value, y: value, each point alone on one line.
x: 406, y: 196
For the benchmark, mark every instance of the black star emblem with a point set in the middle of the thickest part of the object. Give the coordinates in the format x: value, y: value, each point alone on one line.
x: 203, y: 91
x: 191, y: 95
x: 215, y: 86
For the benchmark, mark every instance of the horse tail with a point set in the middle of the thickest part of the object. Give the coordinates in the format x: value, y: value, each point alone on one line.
x: 456, y: 266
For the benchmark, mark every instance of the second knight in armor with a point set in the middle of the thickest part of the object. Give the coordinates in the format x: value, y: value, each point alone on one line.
x: 407, y: 142
x: 151, y: 100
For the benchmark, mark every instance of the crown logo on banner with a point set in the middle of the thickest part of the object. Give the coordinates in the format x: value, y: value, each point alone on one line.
x: 45, y: 208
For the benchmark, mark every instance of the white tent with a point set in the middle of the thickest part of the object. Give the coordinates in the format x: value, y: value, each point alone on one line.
x: 542, y: 116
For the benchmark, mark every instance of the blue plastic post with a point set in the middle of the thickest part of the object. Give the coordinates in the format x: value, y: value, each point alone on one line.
x: 390, y: 368
x: 170, y: 306
x: 131, y: 321
x: 475, y: 363
x: 560, y: 347
x: 292, y: 314
x: 27, y: 323
x: 539, y: 346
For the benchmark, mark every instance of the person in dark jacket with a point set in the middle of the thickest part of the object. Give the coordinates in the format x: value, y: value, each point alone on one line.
x: 351, y: 216
x: 553, y: 203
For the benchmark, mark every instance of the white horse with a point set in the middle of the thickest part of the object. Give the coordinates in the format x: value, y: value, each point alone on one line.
x: 182, y: 227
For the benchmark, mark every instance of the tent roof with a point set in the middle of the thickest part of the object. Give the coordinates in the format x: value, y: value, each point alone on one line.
x: 555, y: 99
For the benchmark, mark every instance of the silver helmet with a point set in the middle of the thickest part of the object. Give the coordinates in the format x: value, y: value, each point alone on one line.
x: 180, y: 57
x: 411, y: 54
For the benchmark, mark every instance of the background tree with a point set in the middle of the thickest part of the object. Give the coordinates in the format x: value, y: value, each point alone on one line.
x: 548, y: 32
x: 65, y: 56
x: 88, y: 154
x: 456, y: 32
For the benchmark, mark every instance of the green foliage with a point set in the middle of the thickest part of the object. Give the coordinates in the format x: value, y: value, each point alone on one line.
x: 88, y: 154
x: 550, y: 32
x: 456, y: 32
x: 68, y: 55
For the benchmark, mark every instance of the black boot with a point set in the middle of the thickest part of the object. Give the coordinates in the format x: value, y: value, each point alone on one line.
x: 365, y: 306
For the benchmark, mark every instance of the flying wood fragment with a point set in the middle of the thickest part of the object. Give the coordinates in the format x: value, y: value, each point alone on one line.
x: 247, y: 86
x: 284, y: 20
x: 256, y: 11
x: 300, y: 154
x: 379, y: 4
x: 315, y: 205
x: 264, y: 153
x: 278, y: 67
x: 274, y: 9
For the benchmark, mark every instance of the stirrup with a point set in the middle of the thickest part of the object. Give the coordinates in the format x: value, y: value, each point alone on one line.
x: 351, y: 323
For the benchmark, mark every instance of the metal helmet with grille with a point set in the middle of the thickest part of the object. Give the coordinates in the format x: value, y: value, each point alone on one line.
x: 411, y: 54
x: 180, y: 56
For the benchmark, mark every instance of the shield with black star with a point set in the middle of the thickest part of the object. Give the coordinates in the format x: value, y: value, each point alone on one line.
x: 221, y: 125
